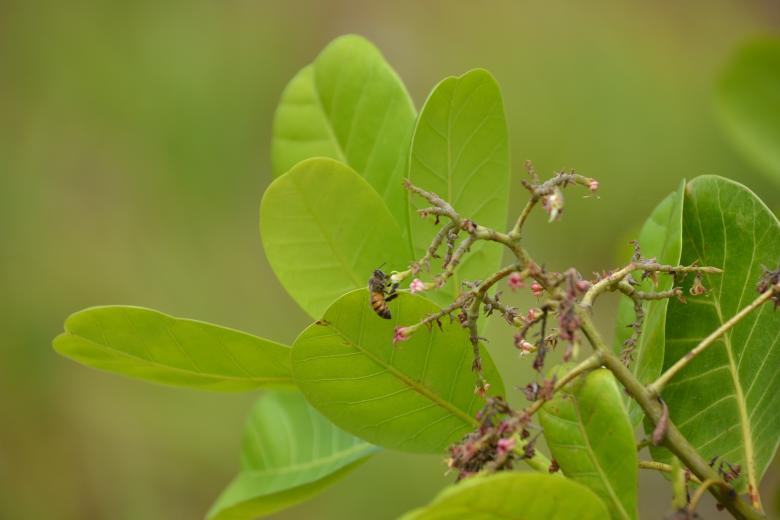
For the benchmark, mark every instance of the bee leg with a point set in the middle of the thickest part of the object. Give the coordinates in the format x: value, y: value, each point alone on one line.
x: 390, y: 297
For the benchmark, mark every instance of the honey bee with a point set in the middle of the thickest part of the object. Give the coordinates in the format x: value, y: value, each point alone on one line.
x: 382, y: 290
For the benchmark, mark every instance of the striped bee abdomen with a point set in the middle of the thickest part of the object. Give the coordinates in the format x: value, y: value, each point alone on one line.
x: 379, y: 305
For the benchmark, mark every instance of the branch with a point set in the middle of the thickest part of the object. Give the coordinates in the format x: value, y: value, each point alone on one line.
x: 658, y: 385
x: 672, y: 439
x: 590, y: 363
x: 612, y: 281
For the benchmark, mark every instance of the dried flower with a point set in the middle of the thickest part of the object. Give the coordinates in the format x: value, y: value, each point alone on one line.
x: 482, y: 388
x: 697, y: 289
x: 524, y: 346
x: 768, y: 280
x: 582, y: 285
x: 553, y: 204
x: 515, y: 281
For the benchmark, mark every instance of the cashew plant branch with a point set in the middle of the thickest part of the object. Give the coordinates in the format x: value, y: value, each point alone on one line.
x: 395, y: 358
x: 573, y: 298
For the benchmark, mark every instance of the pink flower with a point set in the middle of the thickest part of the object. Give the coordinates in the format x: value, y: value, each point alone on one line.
x: 533, y: 314
x: 417, y: 285
x: 537, y: 289
x: 593, y: 186
x: 515, y: 281
x: 506, y: 445
x: 400, y: 334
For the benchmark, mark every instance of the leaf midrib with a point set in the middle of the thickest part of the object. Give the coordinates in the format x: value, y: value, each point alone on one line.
x: 172, y: 368
x: 420, y: 389
x: 334, y: 457
x: 747, y: 433
x: 596, y: 463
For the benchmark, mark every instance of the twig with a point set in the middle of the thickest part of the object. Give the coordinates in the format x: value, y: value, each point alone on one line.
x: 611, y: 281
x: 664, y: 468
x: 590, y: 363
x: 673, y: 439
x: 658, y: 385
x: 703, y: 489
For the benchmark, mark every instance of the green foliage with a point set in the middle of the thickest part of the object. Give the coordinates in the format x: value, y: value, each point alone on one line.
x: 344, y: 136
x: 150, y: 345
x: 588, y: 432
x: 660, y: 238
x: 460, y: 151
x: 514, y: 496
x: 749, y: 103
x: 325, y: 230
x: 415, y: 396
x: 725, y: 401
x: 349, y: 105
x: 289, y: 454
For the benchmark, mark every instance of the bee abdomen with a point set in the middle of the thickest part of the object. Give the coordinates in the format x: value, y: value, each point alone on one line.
x: 379, y: 305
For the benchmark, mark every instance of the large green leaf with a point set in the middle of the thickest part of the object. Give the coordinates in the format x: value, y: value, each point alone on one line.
x: 660, y: 238
x: 588, y: 432
x: 348, y: 105
x: 726, y: 400
x: 513, y: 496
x: 749, y: 103
x: 150, y: 345
x: 415, y: 396
x: 325, y: 230
x: 460, y: 151
x: 290, y: 453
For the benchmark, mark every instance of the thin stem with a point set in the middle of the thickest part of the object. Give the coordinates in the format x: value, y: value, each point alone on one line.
x: 658, y: 385
x: 696, y: 498
x: 437, y: 240
x: 518, y: 227
x: 663, y: 468
x: 631, y: 291
x: 590, y: 363
x: 611, y: 281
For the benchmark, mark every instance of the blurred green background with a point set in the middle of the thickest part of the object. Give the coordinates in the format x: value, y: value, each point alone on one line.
x: 134, y: 144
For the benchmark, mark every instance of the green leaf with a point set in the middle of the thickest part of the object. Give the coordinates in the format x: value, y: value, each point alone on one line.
x: 348, y: 105
x: 153, y: 346
x: 325, y: 230
x: 290, y: 453
x: 660, y: 238
x: 725, y: 401
x: 513, y: 496
x: 590, y: 436
x: 417, y: 396
x: 749, y: 103
x: 460, y: 151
